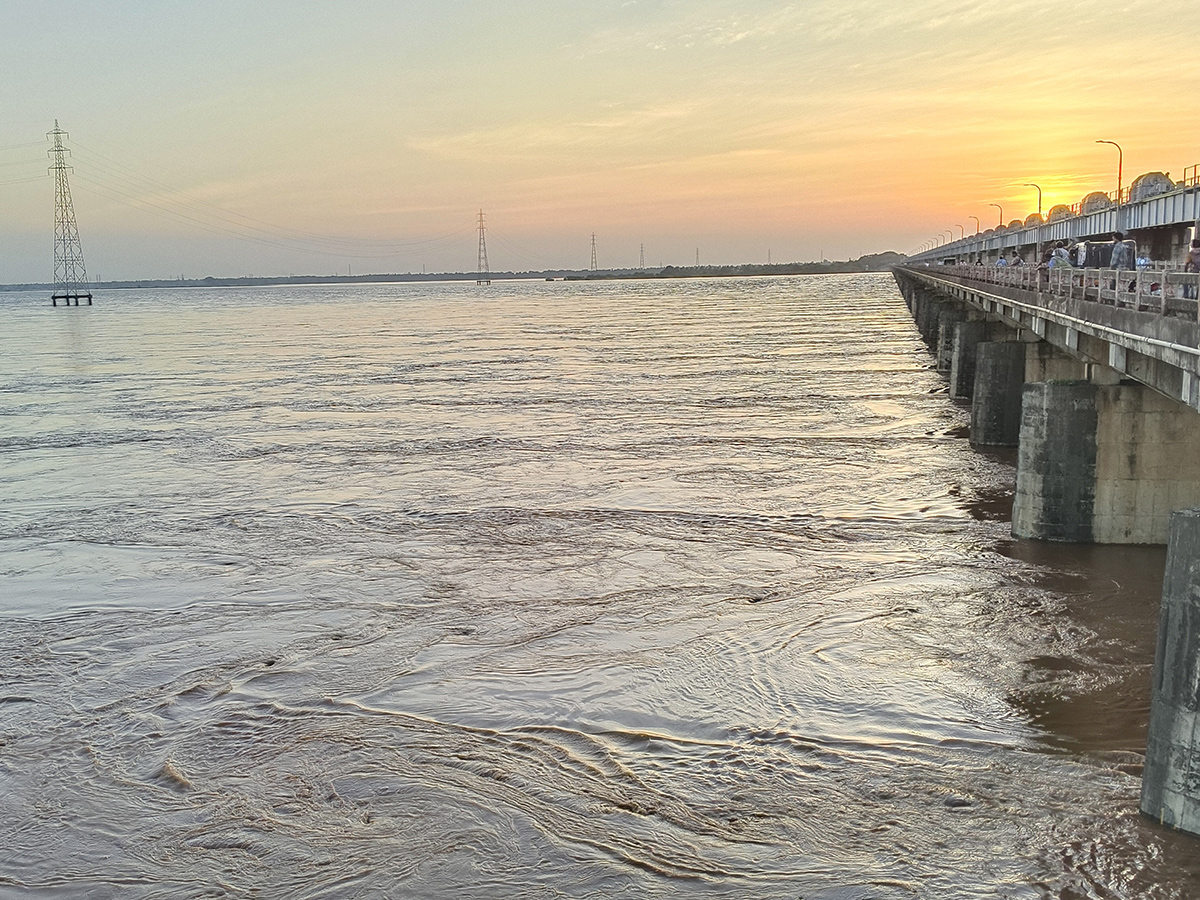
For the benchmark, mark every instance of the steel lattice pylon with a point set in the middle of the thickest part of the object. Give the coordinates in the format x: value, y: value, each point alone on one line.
x: 593, y: 251
x: 483, y: 273
x: 70, y: 275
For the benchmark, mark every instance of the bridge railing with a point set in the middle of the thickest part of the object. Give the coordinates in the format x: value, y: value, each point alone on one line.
x: 1165, y: 292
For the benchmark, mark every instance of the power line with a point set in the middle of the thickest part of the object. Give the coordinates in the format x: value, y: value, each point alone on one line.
x: 134, y: 188
x: 137, y: 181
x: 181, y: 218
x: 23, y: 146
x: 26, y: 180
x: 530, y: 259
x: 22, y: 162
x: 163, y: 209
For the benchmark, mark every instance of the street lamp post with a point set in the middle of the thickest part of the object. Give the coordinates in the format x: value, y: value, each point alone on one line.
x: 1037, y: 245
x: 1120, y: 165
x: 1039, y: 190
x: 962, y: 232
x: 1001, y: 208
x: 976, y: 218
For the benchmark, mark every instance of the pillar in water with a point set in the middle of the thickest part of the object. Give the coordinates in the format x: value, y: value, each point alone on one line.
x: 1056, y: 465
x: 967, y: 338
x: 926, y: 316
x: 996, y: 396
x: 948, y: 319
x: 1171, y: 780
x: 1103, y: 463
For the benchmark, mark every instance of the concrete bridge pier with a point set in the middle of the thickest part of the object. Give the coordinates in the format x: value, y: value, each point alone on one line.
x: 1103, y: 463
x: 968, y: 335
x: 949, y: 317
x: 928, y: 307
x: 912, y: 298
x: 996, y: 394
x: 1171, y: 779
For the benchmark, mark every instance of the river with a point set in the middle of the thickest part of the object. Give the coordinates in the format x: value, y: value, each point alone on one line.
x: 627, y: 589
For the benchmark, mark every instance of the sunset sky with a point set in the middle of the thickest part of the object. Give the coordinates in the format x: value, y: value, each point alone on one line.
x: 369, y: 134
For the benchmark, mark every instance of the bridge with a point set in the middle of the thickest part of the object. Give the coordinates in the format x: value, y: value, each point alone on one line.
x: 1094, y: 375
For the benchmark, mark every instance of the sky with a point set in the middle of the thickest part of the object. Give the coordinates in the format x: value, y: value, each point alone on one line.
x: 262, y: 137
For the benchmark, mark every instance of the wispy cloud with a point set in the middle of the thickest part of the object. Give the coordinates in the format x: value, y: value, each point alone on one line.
x: 621, y: 128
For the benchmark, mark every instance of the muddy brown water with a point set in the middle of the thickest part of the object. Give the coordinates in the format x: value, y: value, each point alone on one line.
x: 679, y: 588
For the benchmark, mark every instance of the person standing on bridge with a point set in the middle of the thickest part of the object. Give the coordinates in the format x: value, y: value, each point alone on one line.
x: 1001, y: 261
x: 1123, y: 258
x: 1123, y: 252
x: 1191, y: 263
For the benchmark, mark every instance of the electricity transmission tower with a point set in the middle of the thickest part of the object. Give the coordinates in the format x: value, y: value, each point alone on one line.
x: 70, y: 276
x: 593, y: 251
x: 484, y: 272
x: 642, y: 257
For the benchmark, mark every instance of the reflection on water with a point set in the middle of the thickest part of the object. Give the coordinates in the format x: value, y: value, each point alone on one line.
x: 545, y: 590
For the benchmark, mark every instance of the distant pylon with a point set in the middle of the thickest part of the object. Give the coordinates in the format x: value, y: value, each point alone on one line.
x: 593, y: 251
x: 697, y: 256
x: 70, y: 276
x: 484, y: 272
x: 642, y: 257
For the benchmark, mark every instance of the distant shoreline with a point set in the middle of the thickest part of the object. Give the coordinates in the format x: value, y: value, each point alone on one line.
x: 878, y: 262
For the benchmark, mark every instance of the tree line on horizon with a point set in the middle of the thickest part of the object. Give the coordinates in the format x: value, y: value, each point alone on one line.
x: 873, y: 262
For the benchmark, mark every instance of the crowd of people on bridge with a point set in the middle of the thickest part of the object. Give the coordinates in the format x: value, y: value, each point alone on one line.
x: 1119, y: 253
